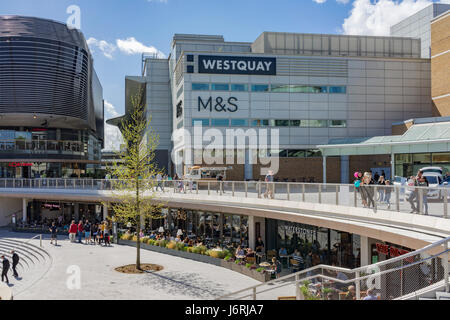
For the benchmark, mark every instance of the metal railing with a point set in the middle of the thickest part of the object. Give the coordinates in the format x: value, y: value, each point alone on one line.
x: 389, y: 279
x: 406, y: 199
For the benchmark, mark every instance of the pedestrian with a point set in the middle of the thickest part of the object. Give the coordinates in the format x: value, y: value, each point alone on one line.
x: 159, y: 181
x: 87, y: 232
x: 381, y: 182
x: 53, y: 231
x: 387, y: 194
x: 15, y: 262
x: 73, y: 231
x: 5, y: 266
x: 219, y: 179
x: 106, y: 233
x: 423, y: 182
x: 269, y: 185
x: 80, y: 230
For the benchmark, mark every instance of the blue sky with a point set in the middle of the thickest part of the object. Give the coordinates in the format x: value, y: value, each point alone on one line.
x: 120, y: 29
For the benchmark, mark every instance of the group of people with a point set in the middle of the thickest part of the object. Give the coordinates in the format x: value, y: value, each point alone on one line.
x: 6, y: 265
x: 418, y: 181
x: 365, y: 183
x: 92, y: 233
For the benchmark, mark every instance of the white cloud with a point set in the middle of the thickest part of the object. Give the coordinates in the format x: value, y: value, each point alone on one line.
x: 375, y: 17
x: 343, y: 1
x: 320, y: 1
x: 106, y: 48
x: 113, y: 137
x: 159, y: 1
x: 132, y: 46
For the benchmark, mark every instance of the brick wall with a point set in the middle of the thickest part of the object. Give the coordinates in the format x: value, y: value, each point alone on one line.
x: 364, y: 163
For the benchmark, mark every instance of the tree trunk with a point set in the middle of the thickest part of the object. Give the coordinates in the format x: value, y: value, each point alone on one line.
x: 138, y: 228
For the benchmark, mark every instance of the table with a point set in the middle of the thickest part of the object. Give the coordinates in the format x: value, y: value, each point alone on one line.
x: 241, y: 257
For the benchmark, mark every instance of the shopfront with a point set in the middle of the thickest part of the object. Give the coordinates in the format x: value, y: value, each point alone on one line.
x: 408, y: 164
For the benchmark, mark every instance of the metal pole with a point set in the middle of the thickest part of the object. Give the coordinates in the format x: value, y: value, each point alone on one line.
x: 445, y: 203
x: 397, y: 198
x: 288, y: 190
x: 259, y: 189
x: 246, y: 188
x: 232, y: 188
x: 446, y: 267
x: 303, y: 192
x: 355, y: 197
x: 320, y: 193
x: 40, y: 237
x: 337, y: 195
x: 254, y: 294
x: 221, y: 187
x: 209, y: 187
x: 358, y: 287
x: 420, y: 201
x: 375, y: 197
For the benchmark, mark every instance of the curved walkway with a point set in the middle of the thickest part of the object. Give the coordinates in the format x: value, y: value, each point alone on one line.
x: 180, y: 279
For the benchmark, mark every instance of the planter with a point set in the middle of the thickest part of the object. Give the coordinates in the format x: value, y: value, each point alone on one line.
x: 227, y: 264
x: 237, y: 267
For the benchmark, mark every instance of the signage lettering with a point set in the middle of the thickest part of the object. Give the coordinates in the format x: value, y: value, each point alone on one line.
x: 237, y: 65
x: 392, y: 251
x: 219, y: 104
x: 19, y: 164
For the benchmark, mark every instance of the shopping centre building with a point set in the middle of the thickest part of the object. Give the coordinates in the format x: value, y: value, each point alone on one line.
x: 51, y: 106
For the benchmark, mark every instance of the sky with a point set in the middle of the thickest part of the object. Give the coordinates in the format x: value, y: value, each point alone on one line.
x: 118, y: 31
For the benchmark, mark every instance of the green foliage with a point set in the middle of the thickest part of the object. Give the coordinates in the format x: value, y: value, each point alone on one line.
x: 305, y: 291
x: 179, y: 246
x: 220, y: 254
x: 260, y: 269
x: 248, y: 265
x: 228, y: 257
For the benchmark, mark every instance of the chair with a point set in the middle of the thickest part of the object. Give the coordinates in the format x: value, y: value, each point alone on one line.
x: 251, y: 260
x: 294, y: 265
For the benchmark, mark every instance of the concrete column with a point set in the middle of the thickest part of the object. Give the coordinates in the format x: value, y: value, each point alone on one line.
x: 324, y: 169
x: 251, y: 232
x: 24, y: 209
x: 365, y: 251
x: 345, y: 167
x: 105, y: 212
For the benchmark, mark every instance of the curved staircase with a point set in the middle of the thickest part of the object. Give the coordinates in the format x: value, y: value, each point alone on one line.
x: 33, y: 264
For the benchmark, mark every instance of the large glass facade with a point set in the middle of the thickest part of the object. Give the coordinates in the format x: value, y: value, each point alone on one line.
x: 408, y: 164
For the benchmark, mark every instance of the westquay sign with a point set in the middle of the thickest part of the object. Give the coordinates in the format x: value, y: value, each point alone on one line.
x: 237, y: 65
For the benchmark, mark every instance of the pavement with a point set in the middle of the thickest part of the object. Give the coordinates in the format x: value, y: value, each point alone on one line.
x: 180, y: 278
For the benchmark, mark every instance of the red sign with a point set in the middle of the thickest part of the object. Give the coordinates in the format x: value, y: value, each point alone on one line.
x: 392, y: 251
x: 19, y: 164
x: 39, y: 129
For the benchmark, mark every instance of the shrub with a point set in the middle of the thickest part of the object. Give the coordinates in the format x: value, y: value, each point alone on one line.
x: 189, y: 249
x: 248, y: 265
x: 307, y: 294
x: 196, y: 250
x: 171, y: 245
x: 253, y: 267
x: 144, y: 239
x: 134, y: 238
x: 179, y: 246
x: 260, y: 269
x: 220, y: 254
x: 228, y: 257
x: 151, y: 242
x: 126, y: 237
x: 185, y: 249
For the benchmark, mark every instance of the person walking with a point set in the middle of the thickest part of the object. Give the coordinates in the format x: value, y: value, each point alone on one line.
x: 53, y: 232
x: 15, y: 262
x: 269, y: 185
x: 387, y: 194
x: 5, y: 268
x: 381, y: 183
x: 73, y: 231
x: 159, y: 182
x: 423, y: 182
x: 87, y: 232
x: 219, y: 179
x: 80, y: 230
x: 106, y: 233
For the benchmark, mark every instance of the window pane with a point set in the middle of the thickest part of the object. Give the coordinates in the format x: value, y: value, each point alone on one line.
x: 260, y: 87
x: 422, y: 158
x: 200, y: 86
x: 280, y: 123
x: 204, y: 122
x: 239, y: 87
x: 220, y: 122
x: 337, y: 89
x: 239, y: 122
x: 220, y: 86
x: 296, y: 153
x: 295, y: 123
x: 279, y: 88
x: 318, y: 123
x: 338, y: 123
x: 307, y: 89
x: 313, y: 153
x: 441, y: 157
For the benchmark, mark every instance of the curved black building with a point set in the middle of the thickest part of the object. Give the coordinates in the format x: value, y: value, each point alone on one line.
x: 51, y: 101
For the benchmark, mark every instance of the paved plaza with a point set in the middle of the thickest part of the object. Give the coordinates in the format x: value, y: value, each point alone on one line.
x: 180, y: 279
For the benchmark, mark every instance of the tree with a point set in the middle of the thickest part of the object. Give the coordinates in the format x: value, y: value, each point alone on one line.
x: 135, y: 170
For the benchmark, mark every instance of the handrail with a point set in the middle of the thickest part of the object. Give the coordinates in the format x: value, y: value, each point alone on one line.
x: 355, y: 270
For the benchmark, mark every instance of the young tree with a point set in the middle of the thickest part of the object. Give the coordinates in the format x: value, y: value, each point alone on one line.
x: 135, y: 171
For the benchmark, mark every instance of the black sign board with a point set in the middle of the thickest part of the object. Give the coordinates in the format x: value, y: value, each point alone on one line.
x: 237, y: 65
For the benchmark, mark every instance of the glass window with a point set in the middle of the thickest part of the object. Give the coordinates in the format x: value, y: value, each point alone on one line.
x: 441, y: 157
x: 296, y: 153
x: 279, y: 153
x: 422, y: 158
x: 279, y: 88
x: 239, y: 87
x: 279, y: 123
x: 190, y: 58
x: 312, y: 153
x: 190, y: 69
x: 216, y: 226
x: 307, y: 89
x: 220, y: 86
x: 337, y: 123
x: 239, y: 122
x: 260, y: 123
x: 337, y: 89
x: 295, y: 123
x: 236, y: 229
x: 227, y: 226
x: 318, y: 123
x: 260, y: 87
x: 204, y: 122
x: 200, y: 86
x: 220, y: 122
